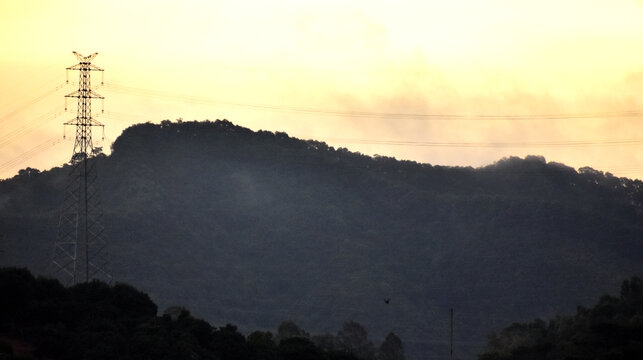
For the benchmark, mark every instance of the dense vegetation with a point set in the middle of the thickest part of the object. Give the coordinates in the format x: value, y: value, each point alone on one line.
x: 255, y: 227
x: 612, y: 329
x: 97, y: 321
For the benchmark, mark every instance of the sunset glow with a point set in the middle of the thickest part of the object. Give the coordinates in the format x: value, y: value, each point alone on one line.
x: 308, y: 68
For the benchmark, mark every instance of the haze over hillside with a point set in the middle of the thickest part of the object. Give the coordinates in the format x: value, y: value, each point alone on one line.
x: 257, y: 227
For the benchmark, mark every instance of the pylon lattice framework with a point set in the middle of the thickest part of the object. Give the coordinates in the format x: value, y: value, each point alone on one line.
x: 80, y: 251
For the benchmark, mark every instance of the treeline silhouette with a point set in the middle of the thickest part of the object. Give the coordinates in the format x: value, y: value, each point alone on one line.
x: 612, y: 329
x: 98, y: 321
x: 254, y: 227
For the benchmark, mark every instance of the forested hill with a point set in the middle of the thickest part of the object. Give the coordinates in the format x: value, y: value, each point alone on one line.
x: 253, y: 228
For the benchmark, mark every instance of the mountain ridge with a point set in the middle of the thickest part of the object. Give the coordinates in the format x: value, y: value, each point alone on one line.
x: 254, y: 228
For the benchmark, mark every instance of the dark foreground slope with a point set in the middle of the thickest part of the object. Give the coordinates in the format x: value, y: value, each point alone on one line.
x: 255, y: 227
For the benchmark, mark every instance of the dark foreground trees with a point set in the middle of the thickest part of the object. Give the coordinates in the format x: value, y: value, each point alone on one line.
x: 98, y: 321
x: 612, y: 329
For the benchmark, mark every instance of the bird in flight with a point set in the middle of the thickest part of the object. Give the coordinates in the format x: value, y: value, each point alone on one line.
x: 387, y: 300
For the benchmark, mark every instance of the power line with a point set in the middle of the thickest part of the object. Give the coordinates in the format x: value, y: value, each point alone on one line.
x: 130, y: 90
x: 54, y: 80
x: 125, y: 117
x: 222, y: 67
x: 30, y: 103
x: 29, y: 154
x: 10, y: 138
x: 31, y: 126
x: 561, y: 143
x: 577, y: 143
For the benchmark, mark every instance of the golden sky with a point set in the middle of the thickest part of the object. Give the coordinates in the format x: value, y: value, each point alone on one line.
x: 307, y: 68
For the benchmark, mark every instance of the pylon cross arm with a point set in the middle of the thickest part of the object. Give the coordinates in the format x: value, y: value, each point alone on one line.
x: 84, y: 67
x: 85, y: 94
x: 95, y: 68
x: 94, y: 95
x: 82, y: 58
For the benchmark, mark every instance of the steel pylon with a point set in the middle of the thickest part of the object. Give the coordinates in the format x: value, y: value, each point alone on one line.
x: 80, y: 251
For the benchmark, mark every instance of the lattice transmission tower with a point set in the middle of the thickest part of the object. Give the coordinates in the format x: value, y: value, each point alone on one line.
x: 80, y: 251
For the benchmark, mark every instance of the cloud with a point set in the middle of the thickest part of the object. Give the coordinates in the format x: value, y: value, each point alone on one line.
x: 342, y: 39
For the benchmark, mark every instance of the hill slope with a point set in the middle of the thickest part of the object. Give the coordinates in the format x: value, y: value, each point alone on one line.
x: 254, y: 228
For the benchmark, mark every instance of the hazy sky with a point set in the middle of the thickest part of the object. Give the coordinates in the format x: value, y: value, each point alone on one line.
x: 307, y: 68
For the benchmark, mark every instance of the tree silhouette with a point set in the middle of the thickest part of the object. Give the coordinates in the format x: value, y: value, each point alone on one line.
x: 288, y: 329
x: 353, y: 338
x: 612, y: 329
x: 391, y: 348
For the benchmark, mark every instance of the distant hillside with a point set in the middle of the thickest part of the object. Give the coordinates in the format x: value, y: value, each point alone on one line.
x: 254, y: 228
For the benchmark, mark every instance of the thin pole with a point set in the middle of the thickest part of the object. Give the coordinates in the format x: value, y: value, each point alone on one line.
x: 451, y: 333
x: 86, y: 221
